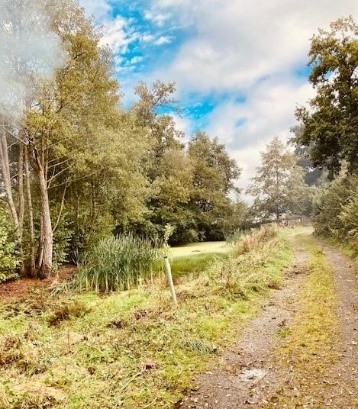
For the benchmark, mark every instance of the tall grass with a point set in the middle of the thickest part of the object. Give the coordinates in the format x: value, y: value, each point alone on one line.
x: 249, y: 267
x: 255, y: 240
x: 117, y: 264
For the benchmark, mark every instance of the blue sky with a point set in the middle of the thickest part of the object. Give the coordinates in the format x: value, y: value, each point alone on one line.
x: 239, y: 65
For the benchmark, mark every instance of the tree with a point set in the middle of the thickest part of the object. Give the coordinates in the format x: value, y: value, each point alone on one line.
x: 214, y: 176
x: 335, y: 209
x: 96, y: 149
x: 159, y: 128
x: 313, y: 176
x: 25, y: 64
x: 78, y: 154
x: 278, y: 186
x: 331, y: 122
x: 166, y: 166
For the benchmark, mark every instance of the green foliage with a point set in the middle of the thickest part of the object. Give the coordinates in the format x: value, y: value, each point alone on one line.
x: 117, y: 264
x: 93, y: 167
x: 335, y: 210
x: 214, y: 176
x: 8, y: 258
x: 349, y: 218
x: 313, y: 176
x: 278, y: 186
x: 330, y: 125
x: 241, y: 275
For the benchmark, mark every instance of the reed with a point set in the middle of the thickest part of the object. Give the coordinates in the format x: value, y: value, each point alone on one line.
x: 118, y: 264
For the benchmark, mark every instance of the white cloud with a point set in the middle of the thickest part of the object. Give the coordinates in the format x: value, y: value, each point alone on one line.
x: 182, y: 124
x: 147, y: 38
x: 162, y: 40
x: 246, y: 128
x: 237, y: 47
x: 239, y: 42
x: 157, y: 18
x: 98, y: 9
x: 114, y: 35
x: 252, y: 49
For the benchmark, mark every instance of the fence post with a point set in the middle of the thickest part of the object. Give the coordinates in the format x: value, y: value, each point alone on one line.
x: 170, y: 279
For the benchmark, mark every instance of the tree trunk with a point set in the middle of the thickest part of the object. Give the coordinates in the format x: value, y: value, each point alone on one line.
x: 45, y: 247
x: 30, y: 265
x: 5, y: 168
x: 21, y: 203
x: 44, y: 262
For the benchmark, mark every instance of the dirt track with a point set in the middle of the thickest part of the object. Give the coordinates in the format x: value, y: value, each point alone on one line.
x: 248, y: 373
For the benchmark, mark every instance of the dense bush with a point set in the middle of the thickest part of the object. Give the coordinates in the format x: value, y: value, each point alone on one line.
x: 8, y: 257
x: 336, y: 210
x: 349, y: 218
x: 117, y: 264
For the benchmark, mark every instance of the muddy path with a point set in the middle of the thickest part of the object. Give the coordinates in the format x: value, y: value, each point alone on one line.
x: 248, y: 374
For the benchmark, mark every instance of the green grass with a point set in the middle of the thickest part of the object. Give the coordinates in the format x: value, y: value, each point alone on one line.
x: 308, y: 344
x: 117, y: 264
x: 194, y: 264
x: 131, y: 349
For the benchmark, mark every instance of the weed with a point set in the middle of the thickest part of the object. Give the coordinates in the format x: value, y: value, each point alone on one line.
x: 66, y: 311
x: 117, y: 264
x: 132, y: 348
x: 197, y: 345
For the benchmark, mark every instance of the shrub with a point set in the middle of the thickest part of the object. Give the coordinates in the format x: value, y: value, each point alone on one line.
x: 117, y: 264
x: 335, y: 210
x: 348, y: 216
x: 8, y: 257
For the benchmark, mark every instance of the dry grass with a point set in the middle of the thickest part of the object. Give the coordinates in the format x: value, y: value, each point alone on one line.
x: 129, y: 349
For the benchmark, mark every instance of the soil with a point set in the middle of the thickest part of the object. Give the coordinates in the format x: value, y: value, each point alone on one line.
x: 23, y: 287
x: 247, y: 374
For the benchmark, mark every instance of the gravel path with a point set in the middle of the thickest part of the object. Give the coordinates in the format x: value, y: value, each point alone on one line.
x: 247, y: 374
x: 343, y: 377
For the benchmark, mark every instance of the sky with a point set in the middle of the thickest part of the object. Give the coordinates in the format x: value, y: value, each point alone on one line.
x: 240, y: 66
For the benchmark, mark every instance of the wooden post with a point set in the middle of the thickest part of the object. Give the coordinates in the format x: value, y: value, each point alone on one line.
x: 170, y: 279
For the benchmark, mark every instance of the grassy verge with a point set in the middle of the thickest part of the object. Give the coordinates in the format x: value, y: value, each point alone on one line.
x: 349, y: 249
x: 130, y: 349
x: 307, y: 347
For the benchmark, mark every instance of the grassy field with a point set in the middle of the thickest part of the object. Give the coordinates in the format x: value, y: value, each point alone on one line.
x: 200, y: 248
x: 133, y: 349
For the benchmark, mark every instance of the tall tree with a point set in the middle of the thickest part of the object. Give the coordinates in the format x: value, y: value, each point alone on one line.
x: 214, y: 176
x: 331, y: 121
x: 165, y: 166
x: 313, y: 176
x: 96, y: 148
x: 79, y: 154
x: 278, y: 186
x: 25, y: 63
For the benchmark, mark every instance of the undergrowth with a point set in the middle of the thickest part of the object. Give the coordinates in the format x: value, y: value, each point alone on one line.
x: 131, y: 349
x: 117, y: 264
